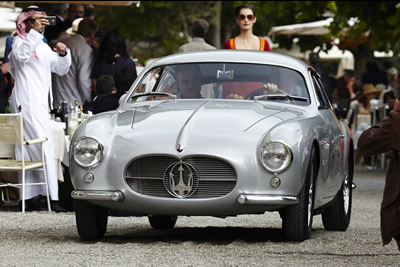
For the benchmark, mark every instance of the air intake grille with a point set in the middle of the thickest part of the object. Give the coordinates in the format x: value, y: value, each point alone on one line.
x: 147, y: 176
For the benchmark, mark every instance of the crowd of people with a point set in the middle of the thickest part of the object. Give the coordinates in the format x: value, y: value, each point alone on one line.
x: 75, y: 61
x: 45, y: 66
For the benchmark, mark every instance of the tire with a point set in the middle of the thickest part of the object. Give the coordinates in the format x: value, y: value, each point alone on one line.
x: 297, y: 219
x: 337, y: 216
x: 91, y: 220
x: 162, y: 221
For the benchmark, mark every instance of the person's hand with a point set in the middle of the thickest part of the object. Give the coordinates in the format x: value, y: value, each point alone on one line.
x: 4, y: 67
x: 40, y: 24
x: 272, y: 87
x: 60, y: 48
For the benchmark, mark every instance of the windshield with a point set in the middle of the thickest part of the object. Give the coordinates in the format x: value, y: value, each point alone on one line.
x: 223, y: 81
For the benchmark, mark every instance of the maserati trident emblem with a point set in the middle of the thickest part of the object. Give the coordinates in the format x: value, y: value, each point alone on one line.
x: 181, y: 179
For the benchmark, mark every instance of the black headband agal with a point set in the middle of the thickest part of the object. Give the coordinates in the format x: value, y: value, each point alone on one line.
x: 27, y: 9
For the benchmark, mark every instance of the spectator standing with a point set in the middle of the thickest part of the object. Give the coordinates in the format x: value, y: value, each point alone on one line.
x: 31, y: 62
x: 347, y: 90
x: 123, y: 79
x: 384, y: 137
x: 76, y: 84
x: 75, y: 11
x: 199, y: 30
x: 389, y: 99
x: 393, y: 83
x: 90, y: 11
x: 374, y: 75
x: 112, y: 56
x: 361, y: 107
x: 246, y: 17
x: 61, y: 13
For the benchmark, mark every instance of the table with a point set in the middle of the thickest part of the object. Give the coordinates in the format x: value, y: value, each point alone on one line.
x: 61, y: 147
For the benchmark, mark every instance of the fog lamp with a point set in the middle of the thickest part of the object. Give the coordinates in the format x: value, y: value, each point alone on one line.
x: 275, y: 182
x: 88, y: 178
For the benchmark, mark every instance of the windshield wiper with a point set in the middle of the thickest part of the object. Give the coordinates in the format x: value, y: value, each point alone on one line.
x: 281, y: 96
x: 153, y: 94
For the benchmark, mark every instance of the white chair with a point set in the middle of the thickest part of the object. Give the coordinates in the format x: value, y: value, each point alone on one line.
x: 11, y: 133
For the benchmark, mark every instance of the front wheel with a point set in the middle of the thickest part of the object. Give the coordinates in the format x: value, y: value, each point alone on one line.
x: 337, y: 216
x: 162, y: 221
x: 91, y: 220
x: 297, y: 219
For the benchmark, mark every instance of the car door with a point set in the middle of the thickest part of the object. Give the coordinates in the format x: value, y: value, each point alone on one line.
x: 331, y: 143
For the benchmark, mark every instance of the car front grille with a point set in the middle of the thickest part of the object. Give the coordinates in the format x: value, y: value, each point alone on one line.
x: 150, y: 176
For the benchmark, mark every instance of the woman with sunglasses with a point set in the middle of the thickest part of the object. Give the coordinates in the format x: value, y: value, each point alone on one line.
x: 245, y: 18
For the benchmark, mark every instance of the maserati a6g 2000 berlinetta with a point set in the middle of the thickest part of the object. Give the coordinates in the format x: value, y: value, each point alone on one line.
x: 216, y: 133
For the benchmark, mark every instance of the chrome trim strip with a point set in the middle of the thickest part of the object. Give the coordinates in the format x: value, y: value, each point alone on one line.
x: 244, y: 199
x: 115, y: 196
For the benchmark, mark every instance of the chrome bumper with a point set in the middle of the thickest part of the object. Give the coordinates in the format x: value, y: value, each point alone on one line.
x: 115, y: 196
x: 244, y: 199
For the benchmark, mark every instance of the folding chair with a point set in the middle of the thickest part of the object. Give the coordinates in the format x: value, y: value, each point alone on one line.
x: 11, y: 132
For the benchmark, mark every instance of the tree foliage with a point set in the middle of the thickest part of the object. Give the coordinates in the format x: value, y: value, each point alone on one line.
x: 158, y: 28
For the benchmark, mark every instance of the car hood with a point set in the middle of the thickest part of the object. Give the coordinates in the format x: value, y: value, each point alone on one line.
x: 203, y: 126
x: 209, y: 115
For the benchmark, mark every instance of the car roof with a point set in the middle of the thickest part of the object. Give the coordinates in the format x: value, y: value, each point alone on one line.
x: 234, y: 56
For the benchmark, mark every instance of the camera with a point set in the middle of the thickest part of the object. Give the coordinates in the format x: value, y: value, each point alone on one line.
x: 52, y: 20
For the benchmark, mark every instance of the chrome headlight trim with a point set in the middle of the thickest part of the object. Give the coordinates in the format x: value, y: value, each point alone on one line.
x: 87, y: 151
x: 276, y: 156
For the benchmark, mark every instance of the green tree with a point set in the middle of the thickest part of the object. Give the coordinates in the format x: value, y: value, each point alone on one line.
x: 375, y: 26
x: 158, y: 28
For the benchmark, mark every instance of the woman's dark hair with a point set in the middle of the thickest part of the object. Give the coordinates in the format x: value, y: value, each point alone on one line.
x: 123, y: 78
x: 237, y: 9
x: 113, y: 43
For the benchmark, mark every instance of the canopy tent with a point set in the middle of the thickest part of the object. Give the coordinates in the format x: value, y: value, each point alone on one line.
x: 344, y: 58
x: 8, y: 16
x: 310, y: 28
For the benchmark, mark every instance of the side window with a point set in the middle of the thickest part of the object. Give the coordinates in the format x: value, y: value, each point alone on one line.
x: 322, y: 99
x: 149, y: 81
x: 167, y: 83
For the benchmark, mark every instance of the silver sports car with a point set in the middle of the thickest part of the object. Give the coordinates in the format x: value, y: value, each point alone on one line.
x: 216, y: 133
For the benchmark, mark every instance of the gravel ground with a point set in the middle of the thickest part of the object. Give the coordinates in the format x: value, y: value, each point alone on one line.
x: 39, y: 238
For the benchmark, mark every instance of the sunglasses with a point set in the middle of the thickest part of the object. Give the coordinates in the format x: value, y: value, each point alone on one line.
x: 243, y: 17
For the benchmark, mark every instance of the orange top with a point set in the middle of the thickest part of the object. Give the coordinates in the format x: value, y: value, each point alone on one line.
x: 264, y: 45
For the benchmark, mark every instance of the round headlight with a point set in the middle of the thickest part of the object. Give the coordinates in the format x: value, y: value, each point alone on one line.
x: 276, y: 156
x: 87, y: 151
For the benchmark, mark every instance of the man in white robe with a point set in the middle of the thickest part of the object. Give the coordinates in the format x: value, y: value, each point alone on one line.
x: 31, y: 64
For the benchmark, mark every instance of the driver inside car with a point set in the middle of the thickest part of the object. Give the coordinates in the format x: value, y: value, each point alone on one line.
x: 188, y: 81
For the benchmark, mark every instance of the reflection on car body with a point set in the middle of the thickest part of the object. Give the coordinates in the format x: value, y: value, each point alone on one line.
x: 257, y: 133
